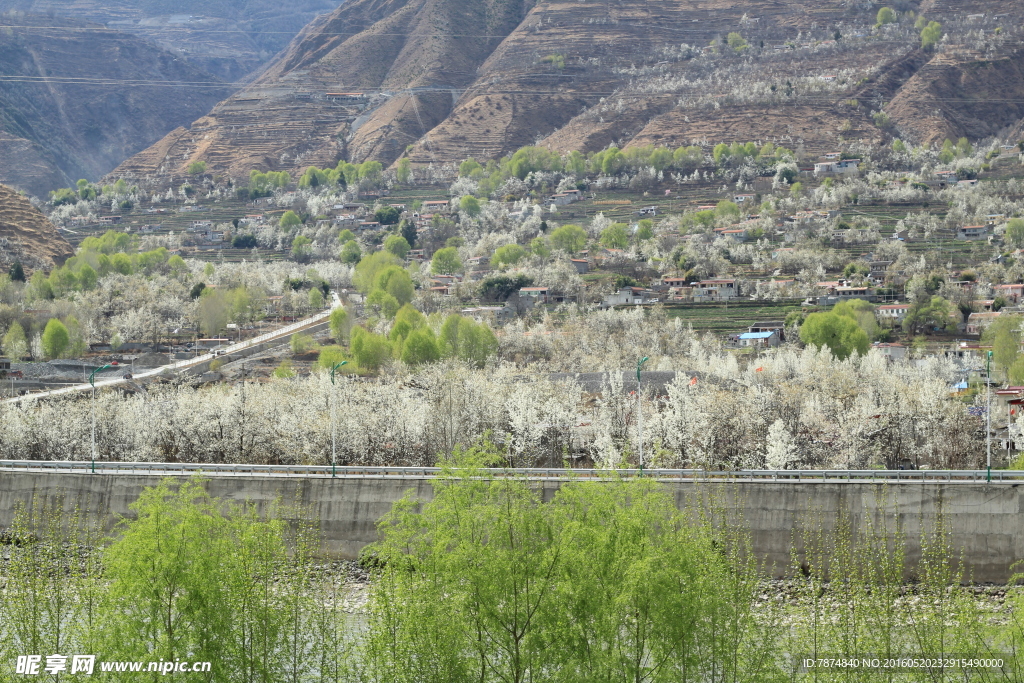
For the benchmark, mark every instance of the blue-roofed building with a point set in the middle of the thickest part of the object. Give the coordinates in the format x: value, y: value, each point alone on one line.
x: 770, y: 338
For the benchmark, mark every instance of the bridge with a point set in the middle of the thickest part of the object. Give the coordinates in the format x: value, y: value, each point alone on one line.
x: 983, y: 518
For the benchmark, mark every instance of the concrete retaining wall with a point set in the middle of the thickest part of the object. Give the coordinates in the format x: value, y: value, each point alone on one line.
x: 985, y: 520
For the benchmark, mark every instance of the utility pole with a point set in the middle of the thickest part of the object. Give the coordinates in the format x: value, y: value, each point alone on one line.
x: 334, y: 444
x: 640, y: 414
x: 988, y: 416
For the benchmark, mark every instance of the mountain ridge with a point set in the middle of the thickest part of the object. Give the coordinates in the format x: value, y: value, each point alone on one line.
x: 445, y: 80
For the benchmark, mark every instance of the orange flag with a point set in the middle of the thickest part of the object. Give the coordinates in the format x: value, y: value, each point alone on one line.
x: 758, y: 369
x: 693, y: 381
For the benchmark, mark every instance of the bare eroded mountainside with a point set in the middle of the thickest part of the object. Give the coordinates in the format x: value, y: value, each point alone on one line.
x: 26, y: 235
x: 77, y: 99
x: 442, y: 80
x: 227, y: 38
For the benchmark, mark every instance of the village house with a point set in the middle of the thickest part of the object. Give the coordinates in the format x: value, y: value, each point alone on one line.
x: 770, y: 338
x: 581, y: 265
x: 977, y: 322
x: 1012, y: 293
x: 563, y: 198
x: 629, y: 296
x: 536, y: 294
x: 840, y: 166
x: 770, y: 326
x: 110, y: 220
x: 715, y: 290
x: 741, y: 198
x: 971, y: 232
x: 434, y: 206
x: 893, y: 352
x: 892, y: 313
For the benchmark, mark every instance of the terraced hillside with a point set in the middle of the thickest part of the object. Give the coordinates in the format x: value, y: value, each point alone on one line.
x: 454, y: 78
x: 227, y: 38
x: 76, y: 99
x: 27, y: 236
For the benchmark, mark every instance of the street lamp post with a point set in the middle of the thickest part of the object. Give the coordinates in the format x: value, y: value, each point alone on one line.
x: 988, y: 416
x: 639, y: 414
x: 92, y: 382
x: 334, y: 445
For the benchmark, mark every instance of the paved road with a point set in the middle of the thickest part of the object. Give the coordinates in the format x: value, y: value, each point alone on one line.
x: 191, y: 362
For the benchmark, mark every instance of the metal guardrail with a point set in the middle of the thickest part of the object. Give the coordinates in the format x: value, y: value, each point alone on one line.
x: 765, y: 476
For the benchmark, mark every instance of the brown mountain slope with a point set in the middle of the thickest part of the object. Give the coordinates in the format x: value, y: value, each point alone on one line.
x: 954, y: 96
x: 227, y: 38
x: 455, y: 79
x: 78, y: 102
x: 26, y: 235
x: 411, y: 57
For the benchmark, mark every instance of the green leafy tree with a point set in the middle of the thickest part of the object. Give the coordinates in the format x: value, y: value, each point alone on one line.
x: 395, y: 281
x: 839, y: 333
x: 56, y: 339
x: 345, y: 236
x: 929, y: 313
x: 1014, y: 233
x: 403, y: 173
x: 526, y: 160
x: 420, y: 347
x: 383, y: 303
x: 501, y: 287
x: 478, y: 582
x: 316, y: 299
x: 331, y: 356
x: 303, y: 343
x: 539, y: 247
x: 931, y: 35
x: 368, y: 268
x: 508, y: 255
x: 197, y: 168
x: 370, y: 350
x: 407, y: 229
x: 340, y: 324
x: 470, y: 205
x: 862, y: 312
x: 290, y: 220
x: 301, y: 248
x: 615, y: 236
x: 469, y: 341
x: 397, y: 245
x: 351, y: 253
x: 214, y: 311
x: 446, y: 261
x: 736, y: 42
x: 886, y: 15
x: 284, y: 370
x: 247, y: 241
x: 645, y: 230
x: 387, y: 215
x: 15, y: 342
x: 1004, y: 336
x: 569, y: 238
x: 64, y: 195
x: 17, y: 272
x: 727, y: 209
x: 948, y: 151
